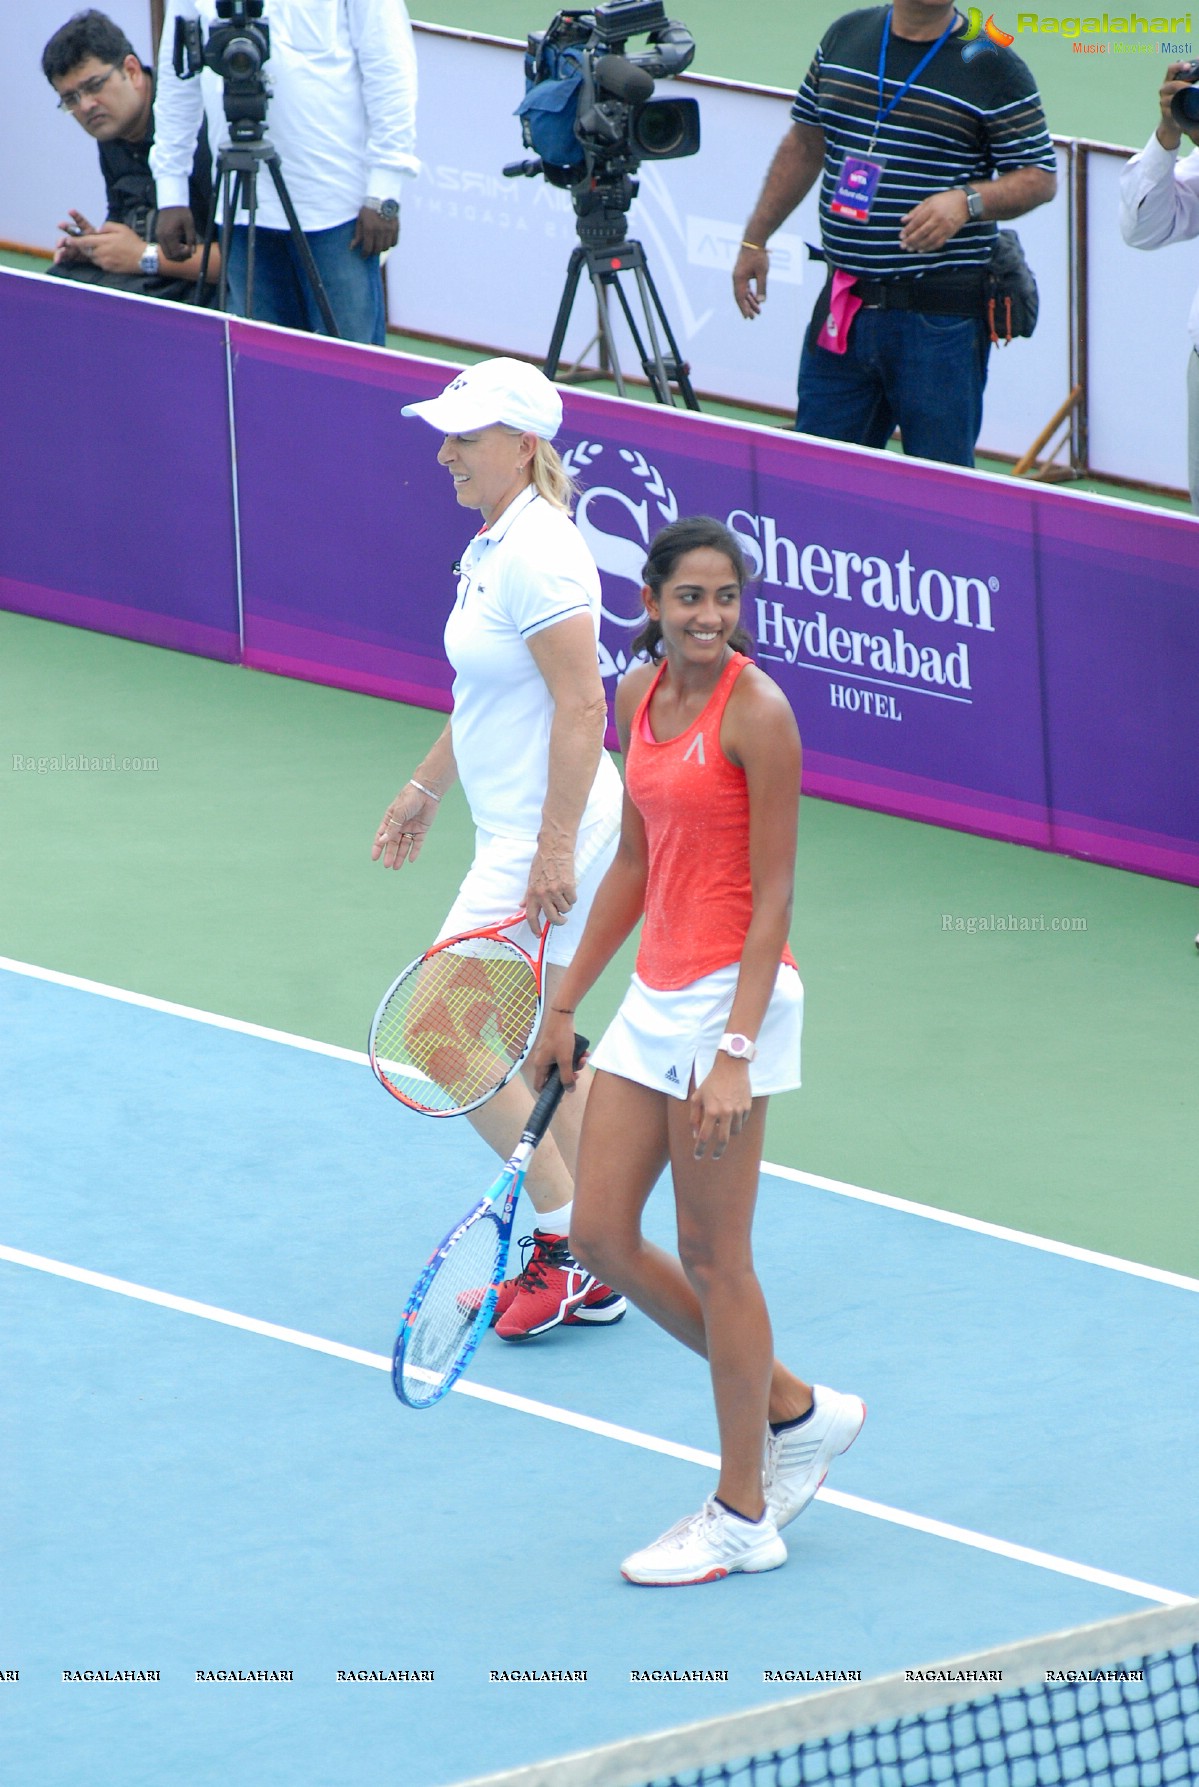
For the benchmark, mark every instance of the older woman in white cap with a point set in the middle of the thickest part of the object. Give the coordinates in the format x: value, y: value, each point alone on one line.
x: 526, y: 740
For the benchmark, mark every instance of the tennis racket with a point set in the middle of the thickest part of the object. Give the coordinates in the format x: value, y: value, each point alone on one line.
x: 457, y: 1023
x: 450, y: 1308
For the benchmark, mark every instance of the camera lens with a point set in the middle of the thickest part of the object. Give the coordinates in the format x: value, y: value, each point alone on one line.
x: 1185, y: 105
x: 661, y: 128
x: 242, y: 60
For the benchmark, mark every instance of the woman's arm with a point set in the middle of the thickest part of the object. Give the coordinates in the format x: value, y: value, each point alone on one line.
x: 565, y: 655
x: 403, y: 827
x: 760, y: 734
x: 619, y: 903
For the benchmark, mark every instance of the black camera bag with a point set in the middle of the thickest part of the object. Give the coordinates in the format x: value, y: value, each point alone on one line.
x: 1010, y: 297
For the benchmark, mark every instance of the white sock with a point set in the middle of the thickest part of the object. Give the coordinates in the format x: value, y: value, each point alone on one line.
x: 555, y: 1222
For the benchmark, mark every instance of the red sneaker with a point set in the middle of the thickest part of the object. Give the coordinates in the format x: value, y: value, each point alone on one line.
x: 550, y: 1288
x: 599, y: 1305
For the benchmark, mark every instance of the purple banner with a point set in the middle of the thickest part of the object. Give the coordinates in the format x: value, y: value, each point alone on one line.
x: 349, y: 529
x: 895, y: 604
x: 1005, y: 658
x: 116, y: 501
x: 1120, y: 629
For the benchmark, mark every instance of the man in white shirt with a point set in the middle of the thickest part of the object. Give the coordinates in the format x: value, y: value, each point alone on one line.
x: 1159, y: 204
x: 342, y: 116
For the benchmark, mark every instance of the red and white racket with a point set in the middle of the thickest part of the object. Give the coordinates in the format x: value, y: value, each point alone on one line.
x: 457, y: 1023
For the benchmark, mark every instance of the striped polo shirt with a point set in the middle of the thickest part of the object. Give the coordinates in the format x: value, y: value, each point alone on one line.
x: 967, y: 118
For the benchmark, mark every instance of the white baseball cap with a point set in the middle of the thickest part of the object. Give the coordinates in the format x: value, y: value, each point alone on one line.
x: 503, y: 390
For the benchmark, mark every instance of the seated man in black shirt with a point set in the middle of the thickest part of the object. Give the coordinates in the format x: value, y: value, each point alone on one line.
x: 92, y: 67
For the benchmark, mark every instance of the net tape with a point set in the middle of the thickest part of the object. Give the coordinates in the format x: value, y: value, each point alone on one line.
x: 1031, y: 1729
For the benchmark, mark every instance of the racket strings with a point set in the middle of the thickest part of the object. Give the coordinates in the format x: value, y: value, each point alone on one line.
x: 457, y: 1024
x: 457, y: 1301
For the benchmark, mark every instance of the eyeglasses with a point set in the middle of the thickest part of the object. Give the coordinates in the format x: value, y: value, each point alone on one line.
x: 85, y: 90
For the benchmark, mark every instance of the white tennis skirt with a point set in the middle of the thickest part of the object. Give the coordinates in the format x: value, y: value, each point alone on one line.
x: 661, y: 1039
x: 495, y: 884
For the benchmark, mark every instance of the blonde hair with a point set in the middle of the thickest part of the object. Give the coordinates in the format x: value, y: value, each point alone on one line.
x: 551, y: 478
x: 547, y: 474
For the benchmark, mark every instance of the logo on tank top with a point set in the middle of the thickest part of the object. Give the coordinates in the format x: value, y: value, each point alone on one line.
x: 696, y: 749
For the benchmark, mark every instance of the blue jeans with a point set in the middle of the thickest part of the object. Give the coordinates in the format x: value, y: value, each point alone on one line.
x: 925, y: 373
x: 282, y: 293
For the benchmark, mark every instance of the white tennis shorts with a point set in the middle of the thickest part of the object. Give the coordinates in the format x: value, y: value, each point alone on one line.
x: 660, y: 1039
x: 495, y: 885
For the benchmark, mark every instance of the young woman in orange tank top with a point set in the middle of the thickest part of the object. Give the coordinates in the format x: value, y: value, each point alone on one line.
x: 710, y: 1027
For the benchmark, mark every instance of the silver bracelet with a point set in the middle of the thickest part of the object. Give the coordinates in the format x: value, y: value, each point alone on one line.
x: 413, y: 783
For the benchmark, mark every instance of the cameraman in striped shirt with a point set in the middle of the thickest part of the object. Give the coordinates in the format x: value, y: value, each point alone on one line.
x: 922, y: 142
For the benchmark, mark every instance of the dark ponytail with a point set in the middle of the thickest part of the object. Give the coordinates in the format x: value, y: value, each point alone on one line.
x: 665, y: 551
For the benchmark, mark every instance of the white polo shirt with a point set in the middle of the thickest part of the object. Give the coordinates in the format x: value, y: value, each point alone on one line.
x: 529, y: 571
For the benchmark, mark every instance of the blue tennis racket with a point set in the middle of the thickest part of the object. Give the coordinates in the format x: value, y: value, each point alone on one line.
x: 450, y: 1308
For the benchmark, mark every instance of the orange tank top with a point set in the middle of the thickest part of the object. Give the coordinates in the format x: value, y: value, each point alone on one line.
x: 695, y: 807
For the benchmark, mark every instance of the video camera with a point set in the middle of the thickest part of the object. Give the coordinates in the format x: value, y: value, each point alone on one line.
x: 1185, y: 103
x: 236, y: 52
x: 587, y: 112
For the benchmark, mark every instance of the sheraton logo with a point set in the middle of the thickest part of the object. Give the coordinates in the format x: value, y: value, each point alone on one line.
x: 889, y: 621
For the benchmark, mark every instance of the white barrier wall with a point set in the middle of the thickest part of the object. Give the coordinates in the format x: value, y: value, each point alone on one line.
x: 483, y: 259
x: 500, y: 247
x: 1138, y: 307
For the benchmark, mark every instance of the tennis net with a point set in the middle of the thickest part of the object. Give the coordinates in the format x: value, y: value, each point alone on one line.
x: 1108, y: 1705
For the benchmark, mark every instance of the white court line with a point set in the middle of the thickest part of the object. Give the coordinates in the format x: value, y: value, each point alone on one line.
x: 1065, y: 1249
x: 149, y: 1003
x: 930, y: 1212
x: 629, y: 1436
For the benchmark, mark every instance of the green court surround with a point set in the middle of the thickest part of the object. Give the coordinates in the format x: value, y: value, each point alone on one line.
x: 1036, y: 1079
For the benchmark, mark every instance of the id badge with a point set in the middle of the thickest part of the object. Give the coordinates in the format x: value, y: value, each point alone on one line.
x: 857, y: 184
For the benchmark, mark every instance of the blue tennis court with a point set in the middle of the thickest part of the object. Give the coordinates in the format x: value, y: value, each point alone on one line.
x: 210, y: 1477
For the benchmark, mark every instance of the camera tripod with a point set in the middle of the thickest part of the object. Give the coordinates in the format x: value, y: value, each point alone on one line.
x: 606, y: 252
x: 236, y: 177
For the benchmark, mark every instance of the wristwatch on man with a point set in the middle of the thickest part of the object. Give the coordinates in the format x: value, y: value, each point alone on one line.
x: 388, y: 209
x: 738, y: 1046
x: 974, y: 204
x: 149, y: 260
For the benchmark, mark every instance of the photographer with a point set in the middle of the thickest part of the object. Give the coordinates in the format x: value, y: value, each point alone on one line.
x: 100, y: 83
x: 921, y: 148
x: 1159, y: 204
x: 342, y: 116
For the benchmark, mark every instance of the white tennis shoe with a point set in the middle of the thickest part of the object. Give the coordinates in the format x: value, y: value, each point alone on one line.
x: 706, y: 1546
x: 797, y: 1459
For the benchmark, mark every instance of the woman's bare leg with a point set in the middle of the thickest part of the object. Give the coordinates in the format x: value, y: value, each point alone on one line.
x: 629, y: 1135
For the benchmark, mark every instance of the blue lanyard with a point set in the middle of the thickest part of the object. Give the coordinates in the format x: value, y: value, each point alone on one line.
x: 884, y: 114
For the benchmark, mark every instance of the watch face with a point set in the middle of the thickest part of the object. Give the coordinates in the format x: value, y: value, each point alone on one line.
x: 390, y: 209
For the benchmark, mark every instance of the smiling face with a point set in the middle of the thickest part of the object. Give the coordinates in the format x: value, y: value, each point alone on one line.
x: 108, y: 102
x: 698, y: 606
x: 489, y: 466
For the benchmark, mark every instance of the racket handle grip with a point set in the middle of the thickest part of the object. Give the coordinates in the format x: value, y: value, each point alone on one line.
x: 550, y: 1096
